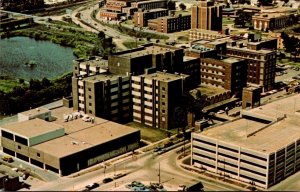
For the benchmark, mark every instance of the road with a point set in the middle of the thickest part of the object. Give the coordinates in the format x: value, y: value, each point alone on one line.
x: 144, y: 168
x: 118, y: 38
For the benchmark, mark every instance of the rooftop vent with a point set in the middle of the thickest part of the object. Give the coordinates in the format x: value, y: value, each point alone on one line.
x: 74, y: 142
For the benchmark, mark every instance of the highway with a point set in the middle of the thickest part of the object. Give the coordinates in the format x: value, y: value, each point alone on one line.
x: 143, y: 168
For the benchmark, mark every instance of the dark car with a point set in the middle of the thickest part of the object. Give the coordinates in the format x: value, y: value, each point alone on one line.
x: 107, y: 180
x: 92, y: 186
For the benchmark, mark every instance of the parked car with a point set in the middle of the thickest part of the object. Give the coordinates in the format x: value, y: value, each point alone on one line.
x: 92, y: 186
x: 7, y: 158
x: 119, y: 175
x: 107, y: 180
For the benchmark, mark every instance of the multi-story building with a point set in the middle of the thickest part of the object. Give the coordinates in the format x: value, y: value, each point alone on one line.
x: 261, y: 148
x: 141, y: 17
x: 104, y: 95
x: 109, y: 15
x: 207, y: 16
x: 195, y: 34
x: 271, y: 21
x: 200, y: 51
x: 65, y: 147
x: 155, y: 97
x: 129, y: 10
x: 136, y: 61
x: 229, y: 73
x: 261, y: 65
x: 170, y: 24
x: 151, y: 4
x: 92, y: 66
x: 191, y: 67
x: 270, y: 44
x: 277, y: 36
x: 116, y: 6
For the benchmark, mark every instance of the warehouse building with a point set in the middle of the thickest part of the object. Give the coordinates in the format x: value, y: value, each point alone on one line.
x: 262, y: 148
x: 65, y: 147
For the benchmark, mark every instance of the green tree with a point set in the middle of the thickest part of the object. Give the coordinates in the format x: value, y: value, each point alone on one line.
x: 182, y: 6
x: 171, y: 5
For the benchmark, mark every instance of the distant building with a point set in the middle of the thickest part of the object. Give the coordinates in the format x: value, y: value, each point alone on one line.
x: 271, y: 21
x: 196, y: 34
x: 170, y: 24
x: 277, y: 36
x: 259, y: 149
x: 109, y: 15
x: 116, y: 6
x: 150, y: 4
x: 65, y: 147
x: 155, y: 97
x: 206, y: 15
x: 104, y: 95
x: 141, y: 17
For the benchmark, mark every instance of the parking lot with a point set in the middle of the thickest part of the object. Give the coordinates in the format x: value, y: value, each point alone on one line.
x: 286, y: 74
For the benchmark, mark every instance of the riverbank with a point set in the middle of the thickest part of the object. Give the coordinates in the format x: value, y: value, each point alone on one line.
x: 83, y: 43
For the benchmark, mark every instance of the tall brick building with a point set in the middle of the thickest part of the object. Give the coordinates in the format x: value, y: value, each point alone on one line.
x: 169, y: 24
x: 207, y: 16
x: 155, y: 97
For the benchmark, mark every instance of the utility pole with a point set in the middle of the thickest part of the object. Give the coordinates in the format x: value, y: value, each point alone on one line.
x: 224, y: 169
x: 159, y: 173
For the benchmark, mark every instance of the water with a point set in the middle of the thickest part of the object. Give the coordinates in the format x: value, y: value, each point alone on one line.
x: 23, y: 57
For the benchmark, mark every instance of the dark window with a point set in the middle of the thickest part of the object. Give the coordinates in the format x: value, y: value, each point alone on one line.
x: 21, y: 140
x: 90, y: 97
x: 7, y: 135
x: 90, y: 104
x: 19, y: 147
x: 38, y: 154
x: 90, y: 89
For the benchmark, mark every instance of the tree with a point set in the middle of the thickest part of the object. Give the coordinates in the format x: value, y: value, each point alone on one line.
x: 171, y: 5
x: 291, y: 44
x: 182, y: 6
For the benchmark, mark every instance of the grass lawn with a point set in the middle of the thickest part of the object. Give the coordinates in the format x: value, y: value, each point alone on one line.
x: 7, y: 85
x: 148, y: 133
x: 289, y: 62
x: 227, y: 21
x: 132, y: 44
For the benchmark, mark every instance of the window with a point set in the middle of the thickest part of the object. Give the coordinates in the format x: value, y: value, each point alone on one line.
x: 90, y: 96
x: 90, y: 89
x: 163, y: 88
x: 90, y: 104
x: 90, y: 111
x: 38, y: 154
x: 163, y: 111
x: 163, y: 103
x: 19, y: 147
x: 163, y: 96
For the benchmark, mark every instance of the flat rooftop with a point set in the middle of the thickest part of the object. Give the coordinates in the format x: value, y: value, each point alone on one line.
x: 270, y: 15
x: 267, y: 140
x: 153, y: 49
x: 154, y: 10
x: 287, y: 106
x: 102, y: 77
x: 84, y: 139
x: 31, y: 128
x: 188, y: 58
x: 94, y: 61
x: 36, y: 111
x: 261, y: 51
x: 210, y: 90
x: 165, y: 77
x: 74, y: 125
x: 231, y: 60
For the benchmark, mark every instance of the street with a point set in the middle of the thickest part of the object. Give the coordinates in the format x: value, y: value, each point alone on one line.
x: 143, y: 168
